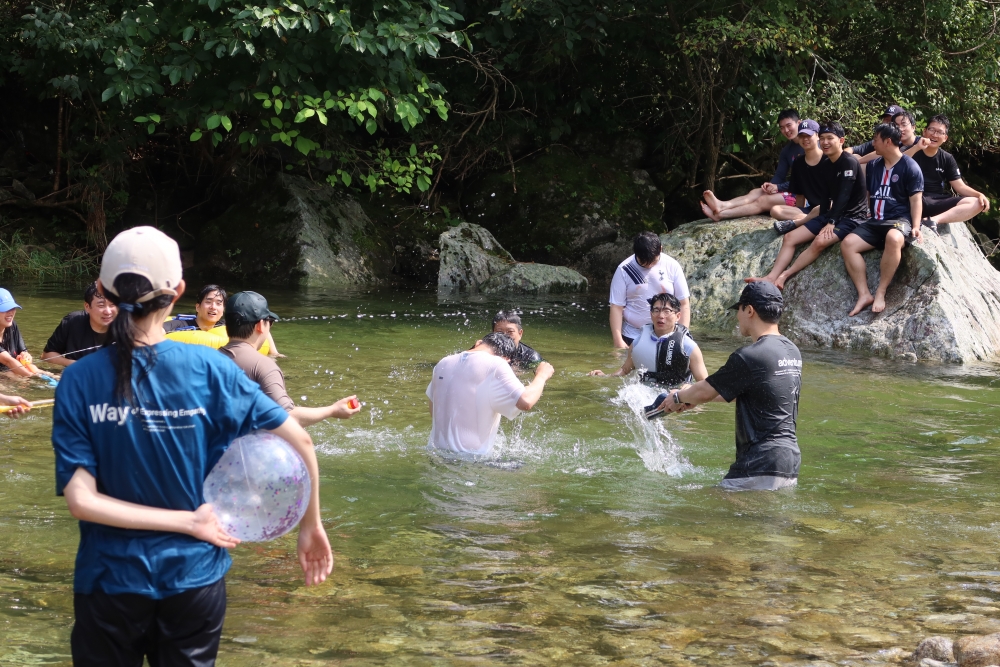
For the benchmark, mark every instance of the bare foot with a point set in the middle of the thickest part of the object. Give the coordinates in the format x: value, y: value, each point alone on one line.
x: 709, y: 213
x: 754, y: 279
x: 780, y: 282
x: 879, y: 304
x: 712, y: 201
x: 863, y: 302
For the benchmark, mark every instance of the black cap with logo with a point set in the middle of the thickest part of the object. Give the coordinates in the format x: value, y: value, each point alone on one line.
x: 759, y: 294
x: 893, y: 110
x: 248, y: 308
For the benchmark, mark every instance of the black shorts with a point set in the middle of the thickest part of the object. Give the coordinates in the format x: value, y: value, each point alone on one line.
x: 119, y: 630
x: 938, y: 205
x: 628, y: 341
x: 841, y: 227
x: 873, y: 232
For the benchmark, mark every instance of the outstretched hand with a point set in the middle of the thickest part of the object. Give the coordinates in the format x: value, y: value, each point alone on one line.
x: 544, y: 370
x: 596, y: 373
x: 18, y: 405
x: 342, y: 409
x: 315, y: 555
x: 206, y: 527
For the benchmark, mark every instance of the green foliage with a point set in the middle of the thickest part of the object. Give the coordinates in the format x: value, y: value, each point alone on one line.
x: 20, y: 260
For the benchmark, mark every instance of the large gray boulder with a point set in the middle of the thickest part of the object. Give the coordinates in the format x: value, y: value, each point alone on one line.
x: 943, y: 304
x: 472, y: 261
x: 293, y: 232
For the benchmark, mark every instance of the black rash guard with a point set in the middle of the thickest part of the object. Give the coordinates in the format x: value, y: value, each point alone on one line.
x: 848, y: 192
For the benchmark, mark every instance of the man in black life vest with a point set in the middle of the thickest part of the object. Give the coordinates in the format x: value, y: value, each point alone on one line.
x: 664, y: 348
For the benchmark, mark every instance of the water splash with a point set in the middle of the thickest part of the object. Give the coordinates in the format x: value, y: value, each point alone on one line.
x: 652, y: 440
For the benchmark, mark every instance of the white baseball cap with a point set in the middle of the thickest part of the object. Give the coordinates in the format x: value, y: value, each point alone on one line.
x: 147, y: 252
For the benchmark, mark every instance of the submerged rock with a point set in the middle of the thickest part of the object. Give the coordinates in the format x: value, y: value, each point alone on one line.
x: 943, y: 304
x: 977, y: 650
x: 935, y: 648
x: 473, y: 261
x: 293, y: 232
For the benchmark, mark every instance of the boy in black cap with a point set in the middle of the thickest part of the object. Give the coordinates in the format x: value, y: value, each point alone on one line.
x: 248, y: 323
x: 765, y: 378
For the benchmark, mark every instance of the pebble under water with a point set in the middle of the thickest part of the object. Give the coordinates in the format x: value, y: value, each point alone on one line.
x: 592, y: 537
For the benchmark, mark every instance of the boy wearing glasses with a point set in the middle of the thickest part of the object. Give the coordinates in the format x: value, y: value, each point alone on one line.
x: 947, y: 198
x: 664, y: 348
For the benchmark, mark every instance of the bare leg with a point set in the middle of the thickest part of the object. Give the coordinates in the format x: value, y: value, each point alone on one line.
x: 760, y: 205
x: 894, y: 242
x: 808, y: 256
x: 786, y: 212
x: 788, y: 243
x: 709, y: 213
x: 718, y: 205
x: 851, y: 249
x: 964, y: 210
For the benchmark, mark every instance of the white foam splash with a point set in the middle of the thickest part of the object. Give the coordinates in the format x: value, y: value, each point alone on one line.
x: 653, y: 443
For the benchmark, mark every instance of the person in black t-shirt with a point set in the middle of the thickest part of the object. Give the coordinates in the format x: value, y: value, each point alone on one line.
x: 765, y: 378
x: 82, y: 332
x: 772, y: 193
x: 947, y: 198
x: 869, y: 146
x: 846, y: 208
x: 907, y: 133
x: 509, y: 323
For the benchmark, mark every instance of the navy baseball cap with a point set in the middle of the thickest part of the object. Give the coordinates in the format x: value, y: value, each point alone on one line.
x: 759, y: 294
x: 248, y: 308
x: 809, y: 126
x: 893, y: 110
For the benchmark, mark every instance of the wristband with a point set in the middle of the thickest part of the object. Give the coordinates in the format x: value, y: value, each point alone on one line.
x: 677, y: 397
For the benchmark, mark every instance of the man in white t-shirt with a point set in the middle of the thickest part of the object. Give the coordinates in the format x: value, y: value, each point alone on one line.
x: 470, y: 390
x: 646, y: 273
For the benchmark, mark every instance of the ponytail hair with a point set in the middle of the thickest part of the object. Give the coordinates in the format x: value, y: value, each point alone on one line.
x: 131, y: 288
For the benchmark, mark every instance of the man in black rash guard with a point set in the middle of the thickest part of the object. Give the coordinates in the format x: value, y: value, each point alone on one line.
x: 509, y: 323
x: 849, y: 207
x: 82, y: 332
x: 765, y: 378
x: 772, y: 193
x: 869, y: 146
x: 947, y: 198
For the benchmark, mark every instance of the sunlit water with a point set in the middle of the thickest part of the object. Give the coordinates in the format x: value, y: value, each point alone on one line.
x: 592, y: 537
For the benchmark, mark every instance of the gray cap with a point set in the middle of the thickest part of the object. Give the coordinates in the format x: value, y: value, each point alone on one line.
x: 759, y: 294
x: 248, y: 308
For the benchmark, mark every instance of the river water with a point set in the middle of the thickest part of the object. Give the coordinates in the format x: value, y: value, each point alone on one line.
x: 592, y: 537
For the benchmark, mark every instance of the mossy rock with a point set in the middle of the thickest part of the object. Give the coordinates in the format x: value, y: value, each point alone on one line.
x: 564, y: 205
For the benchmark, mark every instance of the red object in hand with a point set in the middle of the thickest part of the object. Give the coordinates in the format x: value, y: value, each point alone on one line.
x: 353, y: 404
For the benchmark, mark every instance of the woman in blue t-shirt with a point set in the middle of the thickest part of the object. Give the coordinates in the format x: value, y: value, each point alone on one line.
x: 137, y: 427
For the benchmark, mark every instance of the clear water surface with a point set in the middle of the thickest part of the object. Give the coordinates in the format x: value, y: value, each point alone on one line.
x: 592, y: 537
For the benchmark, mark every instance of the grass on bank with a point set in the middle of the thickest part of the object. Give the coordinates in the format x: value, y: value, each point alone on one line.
x: 23, y: 261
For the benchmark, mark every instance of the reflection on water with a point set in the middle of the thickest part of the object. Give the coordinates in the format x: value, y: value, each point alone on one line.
x: 591, y: 536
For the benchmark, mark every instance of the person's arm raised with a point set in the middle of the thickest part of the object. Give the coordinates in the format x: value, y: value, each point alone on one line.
x: 315, y: 555
x: 340, y: 410
x: 88, y: 504
x: 615, y: 319
x: 921, y: 144
x: 533, y: 391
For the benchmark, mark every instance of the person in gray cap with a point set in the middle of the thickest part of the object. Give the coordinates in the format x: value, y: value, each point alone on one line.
x: 765, y: 378
x: 861, y: 150
x: 248, y: 323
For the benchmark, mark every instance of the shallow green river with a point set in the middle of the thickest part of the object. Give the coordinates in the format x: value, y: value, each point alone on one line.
x: 592, y: 538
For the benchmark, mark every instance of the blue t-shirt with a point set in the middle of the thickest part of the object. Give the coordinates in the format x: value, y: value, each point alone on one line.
x: 782, y: 175
x: 889, y: 190
x: 190, y: 406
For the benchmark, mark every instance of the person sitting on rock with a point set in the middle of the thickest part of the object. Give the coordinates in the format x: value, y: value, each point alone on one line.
x: 810, y: 183
x: 869, y: 147
x: 647, y: 272
x: 664, y: 349
x: 82, y: 332
x: 907, y: 133
x: 895, y: 199
x: 773, y: 193
x: 508, y: 323
x: 844, y: 207
x: 248, y: 324
x: 947, y: 198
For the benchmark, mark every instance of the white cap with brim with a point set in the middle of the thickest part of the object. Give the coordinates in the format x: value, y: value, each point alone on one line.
x: 146, y: 252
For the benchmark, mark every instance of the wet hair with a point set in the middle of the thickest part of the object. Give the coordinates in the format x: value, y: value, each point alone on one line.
x: 665, y: 298
x: 908, y: 116
x: 832, y: 127
x: 646, y: 247
x: 889, y: 131
x: 242, y: 330
x: 131, y: 287
x: 788, y: 113
x: 208, y: 289
x: 942, y: 120
x: 507, y: 316
x: 501, y: 344
x: 90, y: 293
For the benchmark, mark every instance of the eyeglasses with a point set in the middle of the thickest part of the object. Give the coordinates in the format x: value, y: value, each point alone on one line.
x: 933, y: 131
x: 657, y: 311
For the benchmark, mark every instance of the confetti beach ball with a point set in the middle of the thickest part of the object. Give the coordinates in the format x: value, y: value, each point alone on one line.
x: 259, y: 489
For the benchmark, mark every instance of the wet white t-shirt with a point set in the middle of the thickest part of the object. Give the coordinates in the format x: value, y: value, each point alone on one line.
x: 469, y: 391
x: 633, y: 284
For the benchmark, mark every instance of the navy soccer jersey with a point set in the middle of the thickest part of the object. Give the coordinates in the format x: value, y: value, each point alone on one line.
x: 889, y: 190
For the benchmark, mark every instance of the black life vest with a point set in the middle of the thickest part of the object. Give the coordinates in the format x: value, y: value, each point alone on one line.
x: 672, y: 365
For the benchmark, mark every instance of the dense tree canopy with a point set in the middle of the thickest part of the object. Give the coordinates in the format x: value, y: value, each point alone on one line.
x: 421, y: 95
